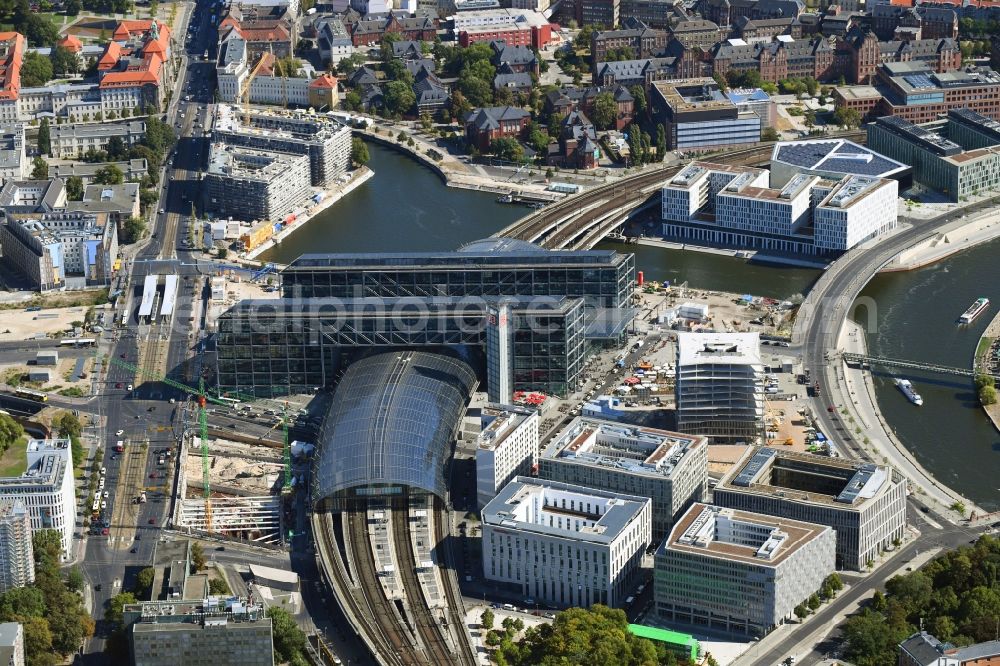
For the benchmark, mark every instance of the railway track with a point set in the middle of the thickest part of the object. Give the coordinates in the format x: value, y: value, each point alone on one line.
x: 421, y: 616
x: 354, y: 601
x: 456, y: 609
x: 621, y: 193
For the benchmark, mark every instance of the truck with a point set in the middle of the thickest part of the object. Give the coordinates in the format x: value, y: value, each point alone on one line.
x: 142, y: 497
x: 120, y: 446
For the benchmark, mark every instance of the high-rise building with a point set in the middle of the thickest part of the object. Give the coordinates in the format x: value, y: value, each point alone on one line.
x: 506, y: 447
x: 737, y: 571
x: 865, y: 503
x: 46, y: 488
x: 720, y: 386
x: 668, y: 467
x: 206, y: 632
x: 254, y: 184
x: 11, y: 644
x: 17, y: 556
x: 564, y: 544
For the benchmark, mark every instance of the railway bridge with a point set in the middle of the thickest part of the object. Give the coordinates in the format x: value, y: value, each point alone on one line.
x: 579, y: 222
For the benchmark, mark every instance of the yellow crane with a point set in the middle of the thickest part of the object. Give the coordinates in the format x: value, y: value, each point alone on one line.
x: 245, y: 92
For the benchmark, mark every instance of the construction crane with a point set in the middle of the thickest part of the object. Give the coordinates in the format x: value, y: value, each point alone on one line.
x: 203, y: 399
x: 245, y: 92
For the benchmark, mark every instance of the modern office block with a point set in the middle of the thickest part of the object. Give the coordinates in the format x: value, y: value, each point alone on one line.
x: 564, y: 544
x: 939, y: 160
x: 206, y: 632
x: 506, y: 447
x: 719, y: 387
x: 12, y: 644
x: 668, y: 467
x: 291, y: 345
x: 46, y: 489
x: 17, y: 556
x: 832, y: 159
x: 737, y: 571
x: 492, y: 267
x: 865, y: 503
x: 697, y: 115
x: 325, y: 141
x: 734, y: 207
x: 255, y: 185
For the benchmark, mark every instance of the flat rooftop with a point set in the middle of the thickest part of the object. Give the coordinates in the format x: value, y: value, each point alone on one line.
x: 456, y: 259
x: 740, y: 536
x: 536, y: 506
x: 636, y: 450
x: 690, y: 174
x: 701, y: 94
x: 722, y: 348
x: 858, y: 92
x: 500, y: 421
x: 807, y: 478
x: 836, y: 156
x: 927, y: 139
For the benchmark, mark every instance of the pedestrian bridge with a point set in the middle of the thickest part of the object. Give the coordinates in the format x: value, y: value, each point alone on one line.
x: 862, y: 360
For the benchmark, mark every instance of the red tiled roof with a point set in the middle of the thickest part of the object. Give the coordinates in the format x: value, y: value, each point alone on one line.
x: 71, y: 42
x: 325, y: 81
x: 266, y: 67
x: 134, y: 28
x: 10, y: 67
x: 112, y: 54
x: 274, y: 34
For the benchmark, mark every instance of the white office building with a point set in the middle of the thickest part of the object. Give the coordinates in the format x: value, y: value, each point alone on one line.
x: 46, y: 488
x: 12, y: 644
x: 719, y: 387
x: 739, y: 572
x: 17, y: 556
x: 565, y: 545
x: 72, y: 140
x: 506, y: 447
x: 734, y: 206
x: 863, y: 502
x: 668, y: 467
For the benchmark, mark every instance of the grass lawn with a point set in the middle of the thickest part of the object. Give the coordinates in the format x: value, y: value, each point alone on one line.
x: 15, y: 460
x: 982, y: 349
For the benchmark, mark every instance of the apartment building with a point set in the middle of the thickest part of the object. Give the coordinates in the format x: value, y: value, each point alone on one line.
x: 737, y: 571
x: 865, y: 503
x: 255, y: 184
x: 17, y: 556
x: 72, y: 140
x: 720, y: 386
x: 14, y: 163
x: 12, y: 644
x: 46, y: 489
x: 506, y: 447
x: 564, y: 544
x: 668, y: 467
x: 233, y: 70
x: 924, y: 649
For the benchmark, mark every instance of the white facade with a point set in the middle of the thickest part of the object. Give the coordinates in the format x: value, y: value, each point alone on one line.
x: 720, y: 385
x: 12, y: 644
x: 506, y: 447
x: 734, y: 206
x: 563, y: 544
x: 739, y: 572
x: 232, y: 72
x: 13, y: 159
x: 46, y: 488
x: 71, y: 140
x: 17, y: 560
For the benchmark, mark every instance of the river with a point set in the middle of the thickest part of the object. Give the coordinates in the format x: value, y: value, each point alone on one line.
x: 407, y: 207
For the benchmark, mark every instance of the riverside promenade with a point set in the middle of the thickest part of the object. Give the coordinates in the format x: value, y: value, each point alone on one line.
x: 983, y: 349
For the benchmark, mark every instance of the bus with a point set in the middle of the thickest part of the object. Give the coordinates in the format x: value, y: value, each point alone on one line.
x: 78, y: 342
x: 125, y: 319
x: 31, y: 394
x: 232, y: 402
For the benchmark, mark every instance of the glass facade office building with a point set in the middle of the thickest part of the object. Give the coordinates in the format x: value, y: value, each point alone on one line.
x: 284, y: 346
x: 493, y: 267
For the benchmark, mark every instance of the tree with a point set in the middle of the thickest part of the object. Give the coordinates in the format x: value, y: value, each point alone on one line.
x: 359, y: 151
x: 117, y: 150
x: 810, y: 119
x: 37, y: 641
x: 834, y: 581
x: 219, y: 586
x: 507, y: 148
x: 289, y: 640
x: 600, y: 633
x: 605, y: 110
x: 72, y: 7
x: 871, y: 640
x: 813, y: 601
x: 985, y: 380
x: 987, y: 396
x: 486, y: 619
x: 352, y: 101
x: 38, y: 30
x: 44, y: 138
x: 847, y: 118
x: 801, y: 611
x: 74, y: 579
x: 68, y: 425
x: 133, y: 229
x: 144, y: 583
x: 22, y: 602
x: 197, y: 557
x: 64, y: 61
x: 661, y: 142
x: 878, y: 601
x: 113, y: 613
x: 770, y: 134
x: 10, y: 431
x: 109, y: 175
x: 746, y: 79
x: 74, y: 188
x: 721, y: 81
x: 399, y: 98
x: 39, y: 169
x: 36, y: 70
x: 477, y: 90
x: 641, y: 102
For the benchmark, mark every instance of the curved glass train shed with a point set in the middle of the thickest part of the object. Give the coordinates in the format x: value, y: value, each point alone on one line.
x: 390, y: 427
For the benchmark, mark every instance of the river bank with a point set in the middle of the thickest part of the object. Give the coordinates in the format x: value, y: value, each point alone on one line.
x: 360, y: 177
x: 955, y: 237
x: 983, y: 350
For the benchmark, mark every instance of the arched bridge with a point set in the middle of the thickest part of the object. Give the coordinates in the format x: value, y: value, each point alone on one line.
x: 579, y: 222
